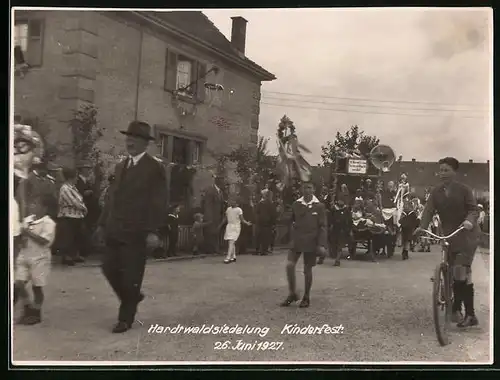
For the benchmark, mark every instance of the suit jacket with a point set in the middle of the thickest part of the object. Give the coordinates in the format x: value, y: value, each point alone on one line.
x: 309, y: 226
x: 266, y: 213
x: 213, y: 205
x: 453, y: 210
x: 137, y: 202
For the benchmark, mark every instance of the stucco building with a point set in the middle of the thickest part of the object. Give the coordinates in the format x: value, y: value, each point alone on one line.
x: 131, y: 65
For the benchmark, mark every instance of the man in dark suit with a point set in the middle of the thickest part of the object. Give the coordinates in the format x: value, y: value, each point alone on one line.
x: 456, y: 206
x: 309, y: 240
x: 266, y: 222
x: 213, y: 211
x: 131, y: 220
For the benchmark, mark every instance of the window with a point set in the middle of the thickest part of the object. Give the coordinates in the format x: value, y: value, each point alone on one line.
x: 28, y: 41
x: 182, y: 151
x: 21, y: 36
x: 182, y: 71
x: 196, y: 153
x: 184, y: 77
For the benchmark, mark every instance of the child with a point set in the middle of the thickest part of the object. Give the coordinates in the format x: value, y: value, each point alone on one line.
x: 34, y: 259
x: 198, y: 239
x: 173, y: 230
x: 408, y: 223
x: 234, y: 218
x: 339, y: 230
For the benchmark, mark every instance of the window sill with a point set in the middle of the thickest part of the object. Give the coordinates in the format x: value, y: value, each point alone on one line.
x: 191, y: 99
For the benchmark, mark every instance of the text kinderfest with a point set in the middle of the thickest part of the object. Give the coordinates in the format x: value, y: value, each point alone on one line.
x: 295, y: 329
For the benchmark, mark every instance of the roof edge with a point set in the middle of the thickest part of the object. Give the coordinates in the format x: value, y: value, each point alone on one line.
x: 247, y: 64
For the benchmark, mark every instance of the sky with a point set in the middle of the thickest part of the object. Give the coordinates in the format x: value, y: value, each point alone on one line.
x: 418, y: 79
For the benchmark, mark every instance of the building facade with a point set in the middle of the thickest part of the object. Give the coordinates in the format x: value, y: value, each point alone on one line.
x: 151, y: 66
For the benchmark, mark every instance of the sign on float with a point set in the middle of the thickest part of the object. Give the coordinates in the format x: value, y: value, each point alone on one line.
x: 356, y: 166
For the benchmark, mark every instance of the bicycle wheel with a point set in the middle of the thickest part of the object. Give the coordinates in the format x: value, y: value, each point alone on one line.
x: 441, y: 304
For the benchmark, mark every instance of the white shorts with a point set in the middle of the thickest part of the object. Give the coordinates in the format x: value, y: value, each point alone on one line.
x: 35, y: 269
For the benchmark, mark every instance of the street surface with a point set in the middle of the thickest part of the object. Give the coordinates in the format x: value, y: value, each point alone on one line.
x: 385, y: 310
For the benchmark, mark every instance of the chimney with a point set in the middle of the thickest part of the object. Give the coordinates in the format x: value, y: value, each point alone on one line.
x: 487, y: 161
x: 470, y: 161
x: 413, y: 160
x: 239, y: 33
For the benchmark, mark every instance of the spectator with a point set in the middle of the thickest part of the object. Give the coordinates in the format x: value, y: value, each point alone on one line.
x: 72, y: 210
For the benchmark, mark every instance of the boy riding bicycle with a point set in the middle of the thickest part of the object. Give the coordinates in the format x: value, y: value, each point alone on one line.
x: 456, y: 206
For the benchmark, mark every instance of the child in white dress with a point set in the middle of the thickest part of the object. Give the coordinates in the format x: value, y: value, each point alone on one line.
x: 233, y: 218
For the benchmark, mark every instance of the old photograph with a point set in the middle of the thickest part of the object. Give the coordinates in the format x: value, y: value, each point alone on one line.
x: 251, y: 186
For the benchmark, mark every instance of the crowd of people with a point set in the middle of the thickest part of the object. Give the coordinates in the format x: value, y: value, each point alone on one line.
x: 131, y: 218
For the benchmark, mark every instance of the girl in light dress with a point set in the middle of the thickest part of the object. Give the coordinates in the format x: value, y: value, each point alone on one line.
x: 233, y: 218
x: 402, y: 194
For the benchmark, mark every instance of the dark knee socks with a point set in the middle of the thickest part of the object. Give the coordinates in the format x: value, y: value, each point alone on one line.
x: 38, y: 297
x: 468, y: 297
x: 458, y: 295
x: 308, y: 279
x: 20, y: 293
x: 290, y: 274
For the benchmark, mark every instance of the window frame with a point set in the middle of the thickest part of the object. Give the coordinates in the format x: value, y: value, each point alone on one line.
x: 198, y: 69
x: 19, y: 23
x: 32, y: 56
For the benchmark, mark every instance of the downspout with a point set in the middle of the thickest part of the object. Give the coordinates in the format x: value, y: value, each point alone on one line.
x: 138, y: 75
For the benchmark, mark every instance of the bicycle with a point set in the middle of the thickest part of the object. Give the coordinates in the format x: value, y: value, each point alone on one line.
x: 442, y: 289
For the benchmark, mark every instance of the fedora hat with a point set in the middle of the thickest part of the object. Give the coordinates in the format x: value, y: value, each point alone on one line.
x: 139, y: 129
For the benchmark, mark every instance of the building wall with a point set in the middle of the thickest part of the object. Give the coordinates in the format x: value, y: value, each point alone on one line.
x: 119, y: 65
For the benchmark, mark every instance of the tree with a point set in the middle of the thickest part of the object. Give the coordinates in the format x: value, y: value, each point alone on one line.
x: 254, y: 165
x: 353, y: 139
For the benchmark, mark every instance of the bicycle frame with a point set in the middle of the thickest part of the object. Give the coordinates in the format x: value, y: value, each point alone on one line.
x: 445, y: 300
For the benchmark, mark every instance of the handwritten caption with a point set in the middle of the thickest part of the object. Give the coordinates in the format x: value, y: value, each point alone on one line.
x: 242, y: 345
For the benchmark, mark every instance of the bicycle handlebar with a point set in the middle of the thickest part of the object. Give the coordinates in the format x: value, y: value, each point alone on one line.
x: 444, y: 237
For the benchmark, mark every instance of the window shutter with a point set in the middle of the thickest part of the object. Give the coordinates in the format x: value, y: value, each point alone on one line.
x: 200, y: 90
x: 34, y: 54
x: 170, y: 70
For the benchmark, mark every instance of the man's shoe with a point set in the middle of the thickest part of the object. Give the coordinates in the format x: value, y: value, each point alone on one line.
x: 27, y: 312
x: 305, y: 302
x: 79, y: 259
x: 404, y: 254
x: 121, y: 327
x: 457, y: 317
x: 33, y: 318
x: 337, y: 263
x: 289, y: 300
x: 468, y: 321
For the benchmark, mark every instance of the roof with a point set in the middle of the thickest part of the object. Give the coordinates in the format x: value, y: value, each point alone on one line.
x: 198, y: 25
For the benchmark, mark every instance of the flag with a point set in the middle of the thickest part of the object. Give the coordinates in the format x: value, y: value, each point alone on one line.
x: 291, y: 164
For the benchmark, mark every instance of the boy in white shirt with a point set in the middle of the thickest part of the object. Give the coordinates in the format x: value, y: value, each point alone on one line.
x: 34, y: 259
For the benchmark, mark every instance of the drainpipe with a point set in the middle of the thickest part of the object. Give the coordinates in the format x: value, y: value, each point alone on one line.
x: 138, y: 75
